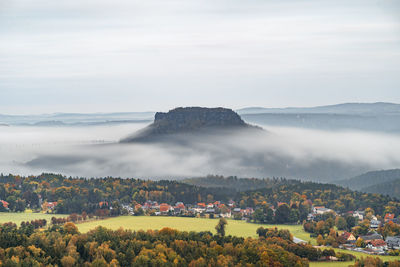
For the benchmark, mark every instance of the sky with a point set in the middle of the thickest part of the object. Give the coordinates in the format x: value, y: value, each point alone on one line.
x: 130, y: 55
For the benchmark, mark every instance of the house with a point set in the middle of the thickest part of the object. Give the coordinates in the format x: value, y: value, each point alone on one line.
x: 102, y: 204
x: 165, y: 208
x: 210, y: 210
x: 48, y: 206
x: 201, y: 205
x: 359, y: 215
x: 393, y: 242
x: 248, y: 211
x: 371, y: 237
x: 236, y: 210
x: 348, y: 237
x: 180, y: 205
x: 389, y: 217
x: 375, y: 224
x: 5, y: 204
x: 128, y: 208
x: 378, y: 245
x: 321, y: 210
x: 51, y: 205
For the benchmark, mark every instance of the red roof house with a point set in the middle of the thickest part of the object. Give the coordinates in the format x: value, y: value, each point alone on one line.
x: 164, y: 207
x: 389, y: 217
x: 5, y: 204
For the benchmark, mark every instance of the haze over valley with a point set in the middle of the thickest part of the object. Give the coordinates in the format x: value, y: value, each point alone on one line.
x: 88, y: 145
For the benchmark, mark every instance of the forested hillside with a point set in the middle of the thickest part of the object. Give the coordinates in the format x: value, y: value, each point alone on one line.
x: 382, y: 182
x: 77, y: 195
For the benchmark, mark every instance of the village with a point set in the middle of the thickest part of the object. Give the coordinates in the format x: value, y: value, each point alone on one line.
x: 372, y: 242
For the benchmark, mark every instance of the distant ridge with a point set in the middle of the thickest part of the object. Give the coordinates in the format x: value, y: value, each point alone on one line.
x: 344, y: 108
x: 382, y: 182
x: 189, y: 120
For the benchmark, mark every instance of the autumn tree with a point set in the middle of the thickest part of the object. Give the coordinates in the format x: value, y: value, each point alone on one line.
x: 221, y: 226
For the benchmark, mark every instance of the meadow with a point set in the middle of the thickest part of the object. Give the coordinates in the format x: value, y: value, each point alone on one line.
x: 237, y: 228
x: 18, y: 217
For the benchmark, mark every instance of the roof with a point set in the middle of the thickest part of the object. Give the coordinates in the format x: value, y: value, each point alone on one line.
x: 378, y: 243
x: 371, y: 237
x: 389, y: 216
x: 393, y: 239
x: 346, y: 235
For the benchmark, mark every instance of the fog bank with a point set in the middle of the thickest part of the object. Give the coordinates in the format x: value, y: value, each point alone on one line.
x: 282, y: 152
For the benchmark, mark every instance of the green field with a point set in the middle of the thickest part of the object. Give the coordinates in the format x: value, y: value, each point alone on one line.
x: 18, y: 217
x: 237, y: 228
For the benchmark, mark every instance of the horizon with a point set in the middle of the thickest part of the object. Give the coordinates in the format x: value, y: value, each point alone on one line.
x: 234, y: 109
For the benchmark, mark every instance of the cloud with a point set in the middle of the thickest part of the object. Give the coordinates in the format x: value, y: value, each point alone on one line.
x: 87, y: 55
x: 280, y: 152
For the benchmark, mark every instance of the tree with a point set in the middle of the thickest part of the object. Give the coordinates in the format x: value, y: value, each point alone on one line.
x: 360, y: 243
x: 351, y: 222
x: 258, y: 216
x: 282, y: 214
x: 340, y: 223
x: 70, y: 228
x: 221, y: 226
x: 320, y: 240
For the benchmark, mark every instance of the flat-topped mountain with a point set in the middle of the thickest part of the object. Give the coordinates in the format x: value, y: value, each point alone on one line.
x: 189, y: 120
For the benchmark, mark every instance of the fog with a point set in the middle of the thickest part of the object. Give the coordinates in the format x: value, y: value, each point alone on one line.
x: 277, y: 151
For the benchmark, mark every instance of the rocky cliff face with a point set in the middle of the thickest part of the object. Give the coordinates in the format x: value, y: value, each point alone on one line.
x: 190, y: 119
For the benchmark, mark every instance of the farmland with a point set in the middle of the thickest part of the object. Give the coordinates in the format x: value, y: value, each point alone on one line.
x: 18, y: 217
x: 237, y: 228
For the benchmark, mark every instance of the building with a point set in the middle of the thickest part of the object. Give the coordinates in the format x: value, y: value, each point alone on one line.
x: 371, y: 237
x: 389, y: 217
x: 393, y: 242
x: 375, y: 224
x: 348, y: 237
x: 165, y: 208
x: 4, y: 203
x: 359, y: 215
x: 378, y: 246
x: 321, y: 210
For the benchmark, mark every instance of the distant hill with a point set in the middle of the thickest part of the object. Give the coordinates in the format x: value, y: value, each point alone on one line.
x: 345, y: 108
x: 189, y: 120
x: 383, y: 182
x: 382, y: 117
x: 391, y: 188
x: 237, y: 184
x: 75, y: 119
x: 381, y: 123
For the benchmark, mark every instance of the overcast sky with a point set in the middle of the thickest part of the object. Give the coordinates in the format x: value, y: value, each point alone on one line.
x: 129, y: 55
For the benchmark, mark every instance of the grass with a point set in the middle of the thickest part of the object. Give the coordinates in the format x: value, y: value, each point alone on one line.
x: 18, y: 217
x: 237, y: 228
x: 331, y: 264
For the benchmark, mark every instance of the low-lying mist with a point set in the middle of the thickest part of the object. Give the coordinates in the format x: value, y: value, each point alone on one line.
x: 280, y: 152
